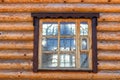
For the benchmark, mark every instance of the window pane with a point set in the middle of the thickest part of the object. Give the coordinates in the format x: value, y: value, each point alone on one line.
x: 50, y: 28
x: 67, y: 28
x: 49, y: 60
x: 67, y: 44
x: 83, y: 28
x: 67, y: 60
x: 84, y: 60
x: 49, y: 44
x: 84, y: 44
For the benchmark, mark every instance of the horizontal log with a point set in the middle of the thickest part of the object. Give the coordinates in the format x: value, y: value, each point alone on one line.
x: 11, y: 66
x: 11, y: 56
x: 108, y: 36
x: 26, y: 17
x: 13, y: 17
x: 62, y: 1
x: 109, y: 66
x: 28, y: 36
x: 108, y: 46
x: 16, y: 45
x: 108, y: 26
x: 109, y: 57
x: 14, y: 26
x: 59, y: 75
x: 109, y: 17
x: 28, y: 55
x: 59, y: 7
x: 28, y: 66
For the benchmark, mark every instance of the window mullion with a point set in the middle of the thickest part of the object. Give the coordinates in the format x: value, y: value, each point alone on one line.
x: 58, y: 44
x: 77, y: 45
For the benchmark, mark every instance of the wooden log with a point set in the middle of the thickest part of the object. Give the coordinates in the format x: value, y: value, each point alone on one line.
x: 14, y: 66
x: 59, y: 75
x: 108, y: 36
x: 26, y: 17
x: 59, y: 7
x: 14, y: 26
x: 16, y: 45
x: 108, y: 46
x: 108, y: 26
x: 27, y: 36
x: 62, y: 1
x: 108, y: 57
x: 109, y: 17
x: 28, y: 66
x: 13, y: 17
x: 12, y: 56
x: 109, y: 66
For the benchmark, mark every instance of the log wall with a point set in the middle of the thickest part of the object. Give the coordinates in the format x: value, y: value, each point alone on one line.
x: 16, y: 38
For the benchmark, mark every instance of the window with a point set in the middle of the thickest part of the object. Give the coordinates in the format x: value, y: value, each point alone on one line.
x: 65, y: 41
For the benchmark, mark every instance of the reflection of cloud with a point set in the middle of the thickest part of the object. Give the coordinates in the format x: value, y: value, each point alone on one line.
x: 84, y: 29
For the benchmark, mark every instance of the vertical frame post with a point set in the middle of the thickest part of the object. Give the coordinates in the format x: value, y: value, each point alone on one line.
x: 36, y: 42
x: 94, y: 44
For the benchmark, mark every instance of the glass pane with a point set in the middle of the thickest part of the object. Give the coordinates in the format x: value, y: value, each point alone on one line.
x: 49, y: 44
x: 67, y: 60
x: 49, y: 28
x: 67, y: 28
x: 83, y: 28
x: 84, y: 44
x: 67, y: 44
x: 49, y: 60
x: 84, y: 60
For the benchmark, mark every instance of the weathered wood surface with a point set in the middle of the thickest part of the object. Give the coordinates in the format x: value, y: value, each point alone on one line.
x: 59, y: 75
x: 16, y: 38
x: 28, y: 66
x: 26, y: 17
x: 61, y: 1
x: 59, y: 7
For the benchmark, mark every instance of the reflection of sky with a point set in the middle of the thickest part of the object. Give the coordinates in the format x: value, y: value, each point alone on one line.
x: 50, y: 29
x: 67, y: 44
x: 84, y: 60
x: 49, y: 44
x: 84, y: 44
x: 83, y: 28
x: 50, y: 60
x: 67, y: 28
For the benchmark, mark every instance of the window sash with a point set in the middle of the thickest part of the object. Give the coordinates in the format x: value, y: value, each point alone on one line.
x: 77, y: 38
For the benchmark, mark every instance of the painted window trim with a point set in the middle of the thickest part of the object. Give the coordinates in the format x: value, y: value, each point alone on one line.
x: 38, y: 16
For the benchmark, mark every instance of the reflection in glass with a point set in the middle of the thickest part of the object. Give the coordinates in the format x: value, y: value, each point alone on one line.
x: 49, y: 28
x: 84, y: 44
x: 49, y: 60
x: 67, y: 44
x: 83, y: 28
x: 67, y: 28
x: 49, y: 44
x: 67, y: 60
x: 84, y: 60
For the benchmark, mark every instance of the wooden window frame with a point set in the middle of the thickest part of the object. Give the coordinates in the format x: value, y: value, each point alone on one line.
x: 92, y: 16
